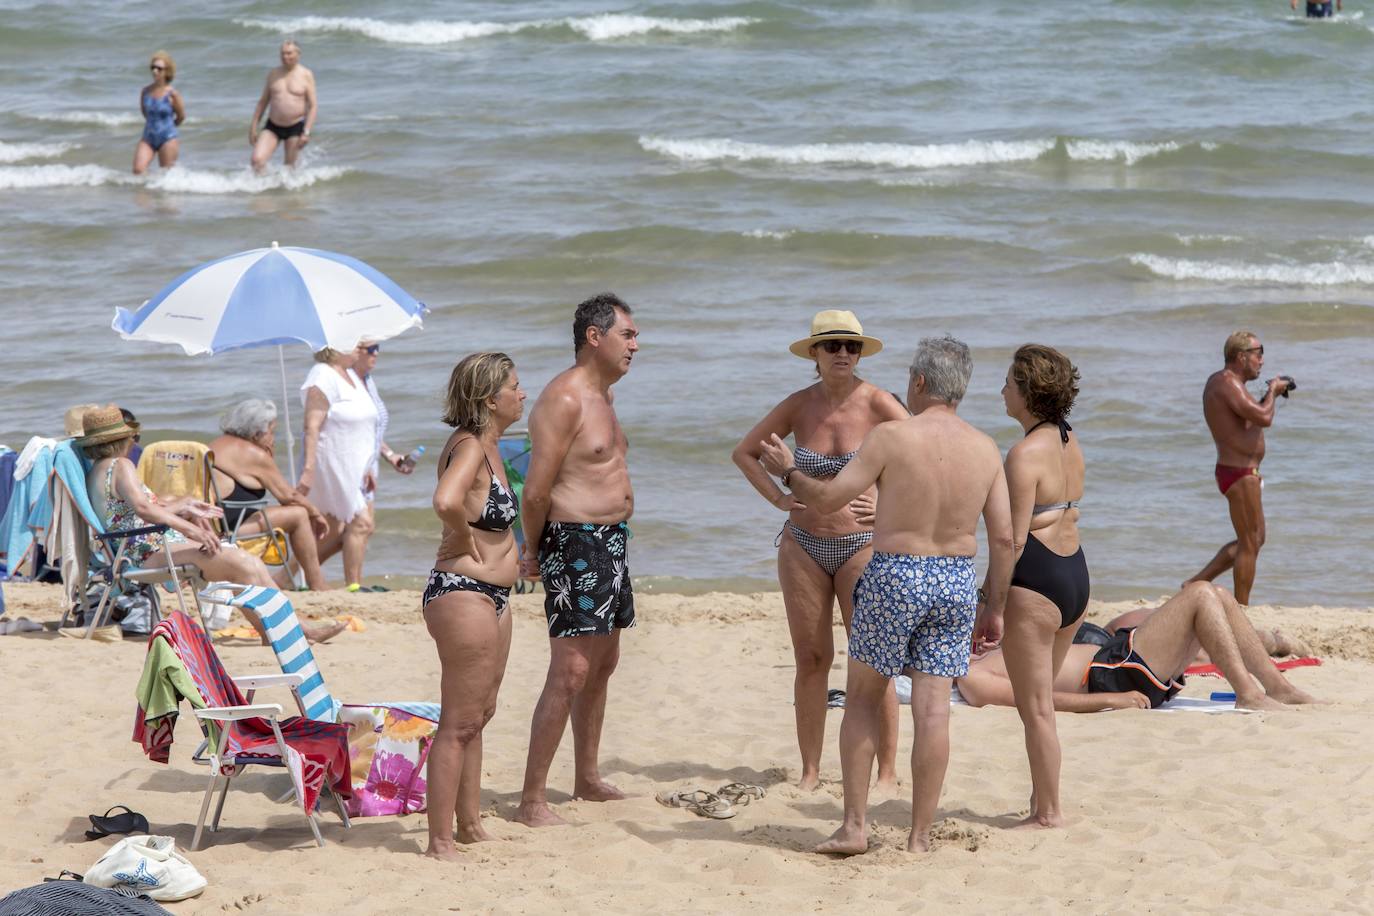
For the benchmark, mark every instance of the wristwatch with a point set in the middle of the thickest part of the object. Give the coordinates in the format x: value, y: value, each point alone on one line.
x: 982, y: 595
x: 787, y: 476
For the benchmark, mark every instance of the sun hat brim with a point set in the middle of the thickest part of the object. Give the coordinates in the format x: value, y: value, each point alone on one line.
x: 109, y: 434
x: 802, y: 347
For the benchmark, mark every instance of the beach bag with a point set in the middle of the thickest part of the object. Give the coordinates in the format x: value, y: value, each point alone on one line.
x: 387, y: 752
x: 149, y: 865
x: 134, y: 613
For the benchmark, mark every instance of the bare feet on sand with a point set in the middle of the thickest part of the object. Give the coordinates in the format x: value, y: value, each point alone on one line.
x: 918, y: 842
x: 537, y: 814
x: 846, y: 841
x: 472, y: 833
x: 809, y: 782
x: 446, y: 852
x: 322, y: 632
x: 1039, y: 822
x: 598, y: 791
x: 1295, y: 697
x: 884, y: 788
x: 1259, y: 701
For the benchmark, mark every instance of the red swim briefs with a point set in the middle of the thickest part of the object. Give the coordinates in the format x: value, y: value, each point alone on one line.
x: 1228, y: 475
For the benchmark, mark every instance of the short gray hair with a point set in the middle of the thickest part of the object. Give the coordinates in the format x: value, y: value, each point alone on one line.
x: 249, y: 418
x: 946, y: 365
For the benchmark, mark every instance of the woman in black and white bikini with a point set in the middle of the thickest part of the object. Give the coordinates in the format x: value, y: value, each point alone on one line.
x: 820, y: 555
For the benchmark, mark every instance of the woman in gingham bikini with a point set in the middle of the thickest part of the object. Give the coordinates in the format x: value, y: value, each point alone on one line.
x: 820, y: 556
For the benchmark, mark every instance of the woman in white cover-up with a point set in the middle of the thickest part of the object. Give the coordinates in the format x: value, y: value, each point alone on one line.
x: 340, y: 440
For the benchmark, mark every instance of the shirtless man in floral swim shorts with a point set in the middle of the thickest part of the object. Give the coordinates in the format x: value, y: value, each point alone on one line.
x: 915, y: 604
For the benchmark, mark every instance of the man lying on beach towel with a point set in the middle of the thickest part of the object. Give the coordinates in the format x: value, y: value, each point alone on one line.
x: 1142, y: 667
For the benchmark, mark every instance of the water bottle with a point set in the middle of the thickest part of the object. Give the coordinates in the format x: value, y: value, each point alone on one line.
x: 408, y: 462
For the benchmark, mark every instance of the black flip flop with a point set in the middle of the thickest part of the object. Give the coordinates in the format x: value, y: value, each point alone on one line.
x: 128, y: 822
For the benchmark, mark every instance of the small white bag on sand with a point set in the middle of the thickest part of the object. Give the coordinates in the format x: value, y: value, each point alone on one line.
x: 148, y: 865
x: 217, y: 614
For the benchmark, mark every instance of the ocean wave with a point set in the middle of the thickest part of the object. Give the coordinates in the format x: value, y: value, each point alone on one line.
x: 605, y: 27
x: 907, y: 155
x: 99, y: 118
x: 897, y: 155
x: 1334, y: 273
x: 17, y: 152
x: 176, y: 181
x: 768, y: 234
x: 1203, y: 238
x: 24, y: 177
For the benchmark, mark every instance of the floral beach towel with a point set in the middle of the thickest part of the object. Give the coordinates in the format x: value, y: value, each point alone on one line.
x: 387, y: 751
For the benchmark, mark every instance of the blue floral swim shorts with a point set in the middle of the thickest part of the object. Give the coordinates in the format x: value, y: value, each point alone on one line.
x: 914, y: 612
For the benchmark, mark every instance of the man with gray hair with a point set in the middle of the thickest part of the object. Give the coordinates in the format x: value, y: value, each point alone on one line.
x: 916, y: 602
x: 288, y: 100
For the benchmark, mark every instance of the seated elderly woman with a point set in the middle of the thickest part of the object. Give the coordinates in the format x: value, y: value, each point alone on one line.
x: 123, y: 502
x: 245, y: 469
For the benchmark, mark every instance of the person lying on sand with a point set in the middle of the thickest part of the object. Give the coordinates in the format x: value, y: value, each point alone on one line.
x: 1142, y: 666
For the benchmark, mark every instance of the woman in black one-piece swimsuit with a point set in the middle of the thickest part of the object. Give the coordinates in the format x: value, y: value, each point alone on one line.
x: 1049, y: 585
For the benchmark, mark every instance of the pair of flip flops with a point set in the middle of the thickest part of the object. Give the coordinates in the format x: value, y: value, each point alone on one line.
x: 127, y: 821
x: 720, y: 804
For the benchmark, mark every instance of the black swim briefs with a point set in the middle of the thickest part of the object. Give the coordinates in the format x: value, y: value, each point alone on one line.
x: 1118, y: 668
x: 586, y: 574
x: 286, y: 133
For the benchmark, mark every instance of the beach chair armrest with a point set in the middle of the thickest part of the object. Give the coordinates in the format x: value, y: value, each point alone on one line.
x: 261, y: 681
x: 132, y: 532
x: 233, y: 713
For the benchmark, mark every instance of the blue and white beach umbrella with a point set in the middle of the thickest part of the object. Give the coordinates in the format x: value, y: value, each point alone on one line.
x: 274, y: 296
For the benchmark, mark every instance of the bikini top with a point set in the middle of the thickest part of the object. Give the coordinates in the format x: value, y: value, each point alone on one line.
x: 818, y: 466
x: 1064, y: 430
x: 501, y: 507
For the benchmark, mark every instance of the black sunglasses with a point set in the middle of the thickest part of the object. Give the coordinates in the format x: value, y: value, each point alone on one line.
x: 372, y: 350
x: 1259, y: 350
x: 158, y: 67
x: 852, y: 347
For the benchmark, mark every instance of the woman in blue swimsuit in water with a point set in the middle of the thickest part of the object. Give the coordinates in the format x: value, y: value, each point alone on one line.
x: 162, y: 111
x: 821, y: 555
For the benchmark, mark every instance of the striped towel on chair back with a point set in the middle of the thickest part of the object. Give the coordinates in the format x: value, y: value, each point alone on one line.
x: 291, y: 648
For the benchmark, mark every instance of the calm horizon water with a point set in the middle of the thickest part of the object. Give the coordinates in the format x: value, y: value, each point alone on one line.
x: 1126, y: 181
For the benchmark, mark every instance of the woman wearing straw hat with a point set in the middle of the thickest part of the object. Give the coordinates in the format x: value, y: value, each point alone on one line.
x: 820, y: 556
x: 123, y: 502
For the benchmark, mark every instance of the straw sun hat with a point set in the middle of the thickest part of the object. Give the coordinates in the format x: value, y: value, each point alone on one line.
x: 103, y: 424
x: 835, y: 324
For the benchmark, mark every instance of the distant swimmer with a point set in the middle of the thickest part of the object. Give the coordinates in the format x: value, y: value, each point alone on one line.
x: 163, y: 110
x: 288, y: 99
x: 1317, y: 10
x: 1237, y: 422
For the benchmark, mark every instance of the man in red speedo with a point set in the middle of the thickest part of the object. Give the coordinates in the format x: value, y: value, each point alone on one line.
x: 1237, y: 422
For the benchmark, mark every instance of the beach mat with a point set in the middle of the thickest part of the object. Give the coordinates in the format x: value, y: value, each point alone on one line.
x: 1285, y: 665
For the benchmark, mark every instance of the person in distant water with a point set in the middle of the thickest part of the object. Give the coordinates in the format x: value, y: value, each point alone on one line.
x: 466, y: 600
x: 288, y: 100
x: 820, y: 555
x: 915, y: 606
x: 1142, y: 667
x: 578, y: 501
x: 1237, y: 422
x: 246, y: 469
x: 339, y: 445
x: 1317, y: 10
x: 163, y: 110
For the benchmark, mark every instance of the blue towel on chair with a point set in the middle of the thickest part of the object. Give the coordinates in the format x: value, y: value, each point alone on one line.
x: 27, y: 496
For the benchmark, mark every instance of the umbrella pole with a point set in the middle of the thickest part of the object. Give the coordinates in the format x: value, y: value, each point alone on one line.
x: 286, y: 415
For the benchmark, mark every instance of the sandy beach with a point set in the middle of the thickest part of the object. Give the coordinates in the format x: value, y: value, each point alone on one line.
x: 1170, y: 810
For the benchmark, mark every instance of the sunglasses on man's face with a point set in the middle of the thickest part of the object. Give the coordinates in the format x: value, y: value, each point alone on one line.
x: 852, y: 347
x: 372, y: 350
x: 1259, y: 350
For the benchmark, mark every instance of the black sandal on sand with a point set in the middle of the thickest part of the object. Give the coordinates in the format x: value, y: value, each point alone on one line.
x: 698, y: 801
x: 834, y: 699
x: 741, y: 793
x: 128, y: 822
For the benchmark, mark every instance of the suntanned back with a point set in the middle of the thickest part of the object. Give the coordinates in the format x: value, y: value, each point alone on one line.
x: 937, y: 473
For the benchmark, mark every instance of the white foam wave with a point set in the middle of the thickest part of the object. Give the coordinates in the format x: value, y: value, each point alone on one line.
x: 100, y: 118
x: 178, y: 180
x: 24, y: 177
x: 1206, y: 237
x: 1116, y: 150
x: 1334, y: 273
x: 897, y: 155
x: 18, y: 152
x: 611, y: 25
x: 437, y: 32
x: 768, y: 234
x: 193, y: 181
